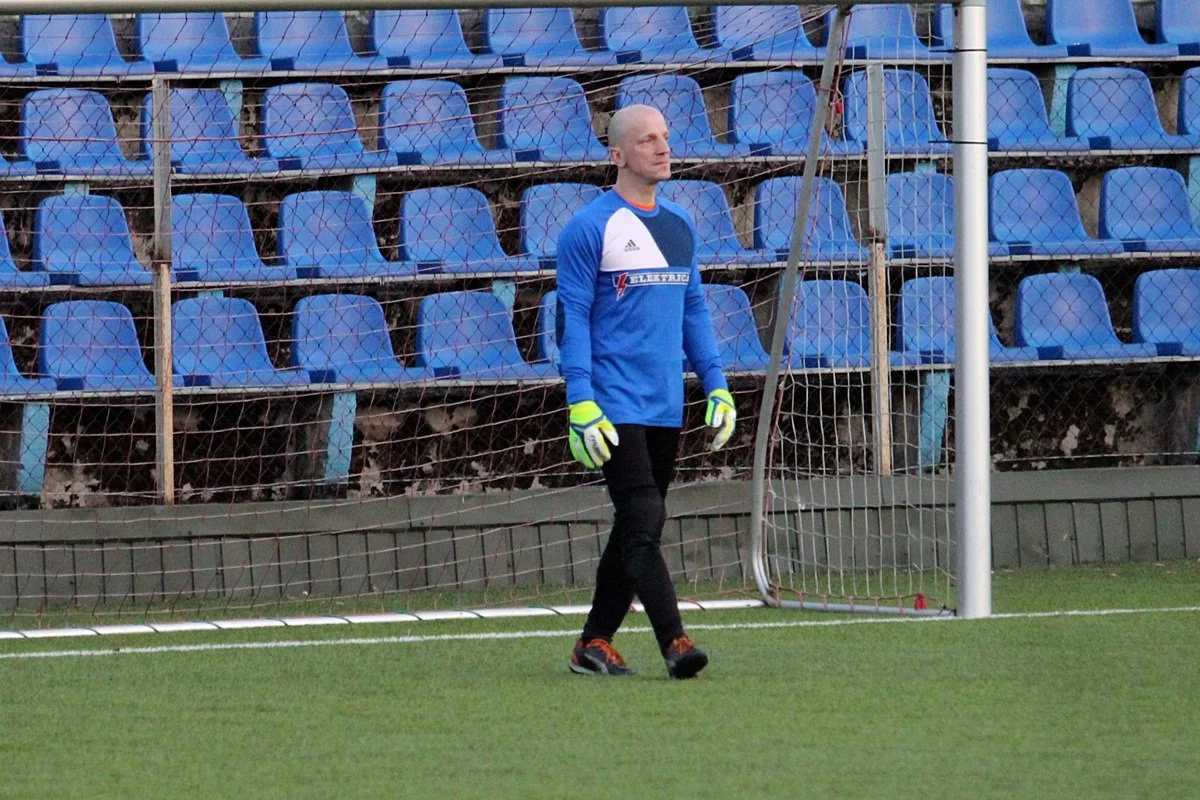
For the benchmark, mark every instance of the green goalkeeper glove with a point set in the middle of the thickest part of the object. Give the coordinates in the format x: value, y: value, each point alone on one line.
x: 721, y: 415
x: 589, y: 429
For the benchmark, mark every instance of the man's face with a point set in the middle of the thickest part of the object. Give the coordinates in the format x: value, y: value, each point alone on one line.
x: 645, y: 151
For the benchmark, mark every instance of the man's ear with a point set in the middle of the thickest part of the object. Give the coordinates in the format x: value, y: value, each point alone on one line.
x: 616, y: 156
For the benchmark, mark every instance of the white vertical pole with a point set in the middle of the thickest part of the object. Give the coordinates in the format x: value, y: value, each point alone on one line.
x: 972, y: 406
x: 881, y: 387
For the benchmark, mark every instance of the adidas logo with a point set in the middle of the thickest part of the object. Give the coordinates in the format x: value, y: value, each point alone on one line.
x: 631, y: 246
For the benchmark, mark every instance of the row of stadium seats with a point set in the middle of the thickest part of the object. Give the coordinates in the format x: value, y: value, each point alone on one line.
x: 84, y: 44
x: 312, y: 126
x: 85, y: 239
x: 92, y: 345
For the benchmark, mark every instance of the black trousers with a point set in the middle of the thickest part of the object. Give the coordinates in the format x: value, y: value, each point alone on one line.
x: 637, y: 475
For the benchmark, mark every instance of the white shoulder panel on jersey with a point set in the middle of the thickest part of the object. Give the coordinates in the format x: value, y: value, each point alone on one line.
x: 628, y: 245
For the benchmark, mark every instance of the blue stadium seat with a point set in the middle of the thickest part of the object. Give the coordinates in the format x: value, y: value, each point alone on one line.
x: 547, y: 328
x: 84, y: 239
x: 219, y: 342
x: 546, y: 209
x: 541, y: 37
x: 204, y: 135
x: 329, y: 234
x: 211, y: 240
x: 718, y: 243
x: 926, y: 319
x: 346, y: 337
x: 72, y: 131
x: 1034, y: 212
x: 831, y: 327
x: 12, y: 169
x: 659, y: 34
x: 736, y: 331
x: 1147, y: 208
x: 1114, y: 109
x: 311, y: 126
x: 1189, y: 103
x: 547, y: 119
x: 1017, y: 117
x: 1100, y: 28
x: 309, y: 40
x: 451, y: 229
x: 885, y: 31
x: 830, y: 237
x: 1166, y: 310
x: 426, y: 39
x: 773, y: 111
x: 1007, y: 35
x: 92, y: 345
x: 432, y: 119
x: 472, y: 332
x: 10, y: 276
x: 75, y: 44
x: 12, y: 382
x: 909, y: 117
x: 192, y: 41
x: 770, y: 33
x: 1066, y: 316
x: 681, y: 103
x: 1178, y: 23
x: 920, y: 209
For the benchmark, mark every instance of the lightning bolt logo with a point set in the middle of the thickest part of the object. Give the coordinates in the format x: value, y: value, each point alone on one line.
x: 621, y: 282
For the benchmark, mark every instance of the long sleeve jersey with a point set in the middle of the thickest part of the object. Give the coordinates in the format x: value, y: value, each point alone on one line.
x: 630, y: 305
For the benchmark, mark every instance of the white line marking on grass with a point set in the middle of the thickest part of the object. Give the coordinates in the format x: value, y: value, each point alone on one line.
x: 565, y: 633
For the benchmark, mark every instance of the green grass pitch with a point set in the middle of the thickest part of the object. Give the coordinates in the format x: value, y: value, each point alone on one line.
x: 1053, y: 706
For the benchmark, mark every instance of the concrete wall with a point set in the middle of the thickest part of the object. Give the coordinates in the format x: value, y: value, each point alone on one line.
x: 273, y: 550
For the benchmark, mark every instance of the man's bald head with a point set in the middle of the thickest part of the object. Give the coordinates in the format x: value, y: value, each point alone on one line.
x: 632, y: 121
x: 637, y: 144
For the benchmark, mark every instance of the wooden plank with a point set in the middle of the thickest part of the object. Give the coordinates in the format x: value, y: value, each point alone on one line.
x: 235, y: 568
x: 693, y: 534
x: 60, y: 574
x: 1143, y: 545
x: 1005, y: 542
x: 1114, y: 532
x: 725, y: 548
x: 147, y: 572
x: 381, y: 561
x: 177, y: 570
x: 1191, y: 527
x: 1032, y: 549
x: 8, y: 576
x: 1089, y: 536
x: 1060, y: 534
x: 439, y: 557
x: 411, y: 571
x: 265, y: 574
x: 89, y: 574
x: 468, y: 559
x: 295, y: 577
x: 526, y: 556
x: 497, y: 556
x: 1168, y: 523
x: 322, y: 564
x: 31, y: 576
x: 206, y: 568
x: 353, y: 576
x: 118, y: 572
x: 555, y: 540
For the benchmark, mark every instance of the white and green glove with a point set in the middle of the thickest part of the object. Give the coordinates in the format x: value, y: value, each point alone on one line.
x: 589, y: 430
x: 721, y: 415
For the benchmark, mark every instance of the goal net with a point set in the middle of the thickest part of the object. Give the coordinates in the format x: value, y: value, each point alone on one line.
x: 280, y: 310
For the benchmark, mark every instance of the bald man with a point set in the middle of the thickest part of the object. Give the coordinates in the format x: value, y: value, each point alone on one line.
x: 630, y: 304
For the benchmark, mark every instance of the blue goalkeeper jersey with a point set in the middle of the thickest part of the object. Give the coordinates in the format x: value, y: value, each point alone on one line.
x: 630, y: 305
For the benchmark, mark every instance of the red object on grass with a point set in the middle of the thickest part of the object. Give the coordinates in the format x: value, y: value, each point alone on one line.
x: 919, y: 604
